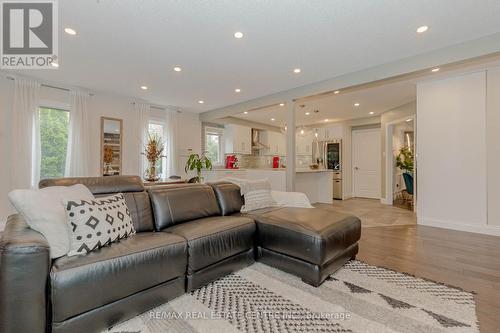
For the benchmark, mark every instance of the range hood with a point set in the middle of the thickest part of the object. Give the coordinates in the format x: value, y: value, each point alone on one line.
x: 256, y: 144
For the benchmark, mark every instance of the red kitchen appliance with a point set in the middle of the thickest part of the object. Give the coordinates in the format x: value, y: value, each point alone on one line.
x: 231, y: 161
x: 276, y: 162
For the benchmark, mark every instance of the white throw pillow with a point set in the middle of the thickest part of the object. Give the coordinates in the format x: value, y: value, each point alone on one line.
x: 257, y: 195
x: 291, y: 199
x: 44, y: 212
x: 242, y: 183
x: 97, y: 223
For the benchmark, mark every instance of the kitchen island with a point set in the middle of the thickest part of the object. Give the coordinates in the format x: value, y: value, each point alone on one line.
x: 316, y: 184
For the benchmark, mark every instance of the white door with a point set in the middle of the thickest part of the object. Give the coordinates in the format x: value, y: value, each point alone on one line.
x: 366, y: 162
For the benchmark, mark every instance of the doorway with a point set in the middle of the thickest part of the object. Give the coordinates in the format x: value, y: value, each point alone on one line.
x: 366, y: 160
x: 400, y: 185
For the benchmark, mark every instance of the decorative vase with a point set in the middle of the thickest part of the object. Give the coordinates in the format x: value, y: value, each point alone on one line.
x: 151, y: 173
x: 108, y: 170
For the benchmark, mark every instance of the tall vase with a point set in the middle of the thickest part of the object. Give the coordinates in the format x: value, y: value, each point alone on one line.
x: 151, y: 172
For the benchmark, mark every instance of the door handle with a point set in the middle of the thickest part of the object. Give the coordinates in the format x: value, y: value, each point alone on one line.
x: 356, y: 168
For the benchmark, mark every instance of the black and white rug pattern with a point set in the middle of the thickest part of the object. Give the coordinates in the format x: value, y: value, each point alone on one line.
x: 357, y: 298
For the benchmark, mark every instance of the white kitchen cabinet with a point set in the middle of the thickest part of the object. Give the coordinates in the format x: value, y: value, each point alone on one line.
x: 238, y: 139
x: 304, y: 143
x: 275, y: 141
x: 330, y: 132
x: 216, y: 174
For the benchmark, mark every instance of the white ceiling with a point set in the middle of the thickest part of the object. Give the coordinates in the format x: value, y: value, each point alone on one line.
x: 123, y: 44
x: 340, y: 107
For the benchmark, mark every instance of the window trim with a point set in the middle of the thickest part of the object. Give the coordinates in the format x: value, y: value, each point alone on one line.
x: 155, y: 121
x: 220, y: 133
x: 53, y: 105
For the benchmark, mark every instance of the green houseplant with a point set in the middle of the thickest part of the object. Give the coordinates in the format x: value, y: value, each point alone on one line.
x: 404, y: 160
x: 198, y: 163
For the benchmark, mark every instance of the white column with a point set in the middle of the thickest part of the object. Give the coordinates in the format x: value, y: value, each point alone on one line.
x: 290, y: 146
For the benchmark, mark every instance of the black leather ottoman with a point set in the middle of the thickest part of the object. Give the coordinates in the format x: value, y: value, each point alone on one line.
x: 311, y: 243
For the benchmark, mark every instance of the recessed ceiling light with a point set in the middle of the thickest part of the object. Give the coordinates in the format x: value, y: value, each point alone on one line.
x: 238, y: 35
x: 307, y: 113
x: 70, y: 31
x: 422, y: 29
x: 201, y: 101
x: 434, y: 70
x: 326, y: 120
x: 177, y: 69
x: 297, y: 70
x: 55, y: 64
x: 336, y: 92
x: 237, y: 90
x: 356, y: 104
x: 144, y: 87
x: 282, y: 104
x: 272, y: 119
x: 371, y: 112
x: 246, y: 112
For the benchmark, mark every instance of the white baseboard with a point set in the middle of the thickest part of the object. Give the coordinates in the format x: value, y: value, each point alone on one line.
x: 478, y: 229
x: 346, y: 196
x: 385, y: 201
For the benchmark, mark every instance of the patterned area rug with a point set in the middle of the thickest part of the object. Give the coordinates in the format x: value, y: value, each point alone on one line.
x: 357, y: 298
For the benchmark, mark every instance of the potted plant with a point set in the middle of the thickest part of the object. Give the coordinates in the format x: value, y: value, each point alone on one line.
x: 198, y: 163
x: 154, y: 152
x: 404, y: 160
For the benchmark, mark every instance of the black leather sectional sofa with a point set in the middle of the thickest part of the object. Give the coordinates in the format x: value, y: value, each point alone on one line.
x: 187, y: 236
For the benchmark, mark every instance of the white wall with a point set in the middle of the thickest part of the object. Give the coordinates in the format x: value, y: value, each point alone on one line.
x: 452, y: 152
x: 101, y: 104
x: 493, y: 145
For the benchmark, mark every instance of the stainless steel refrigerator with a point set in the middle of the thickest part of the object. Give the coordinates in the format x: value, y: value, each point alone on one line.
x: 328, y: 154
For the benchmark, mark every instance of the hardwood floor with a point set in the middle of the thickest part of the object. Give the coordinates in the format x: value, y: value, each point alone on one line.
x: 372, y: 213
x: 391, y: 238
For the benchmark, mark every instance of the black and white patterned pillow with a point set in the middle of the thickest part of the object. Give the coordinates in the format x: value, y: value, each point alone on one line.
x: 96, y: 223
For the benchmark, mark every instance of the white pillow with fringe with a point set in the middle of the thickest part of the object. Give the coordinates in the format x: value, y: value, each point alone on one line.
x: 257, y: 195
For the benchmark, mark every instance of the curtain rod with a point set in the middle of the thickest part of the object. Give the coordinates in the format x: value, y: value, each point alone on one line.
x: 163, y: 108
x: 48, y: 86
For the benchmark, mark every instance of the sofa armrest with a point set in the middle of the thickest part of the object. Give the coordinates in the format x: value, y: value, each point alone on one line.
x: 24, y: 270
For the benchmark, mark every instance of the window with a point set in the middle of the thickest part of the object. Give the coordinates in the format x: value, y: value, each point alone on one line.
x: 54, y: 124
x: 213, y: 145
x: 159, y: 129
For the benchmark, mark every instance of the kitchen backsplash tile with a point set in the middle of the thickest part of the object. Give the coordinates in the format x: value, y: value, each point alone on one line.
x: 258, y: 161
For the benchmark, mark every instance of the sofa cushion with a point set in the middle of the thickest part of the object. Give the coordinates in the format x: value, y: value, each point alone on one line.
x: 229, y: 197
x: 140, y: 210
x: 176, y: 204
x: 215, y: 238
x: 314, y: 235
x: 131, y: 186
x: 80, y: 284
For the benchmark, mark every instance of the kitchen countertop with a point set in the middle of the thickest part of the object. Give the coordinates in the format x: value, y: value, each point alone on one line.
x: 304, y: 170
x: 312, y: 170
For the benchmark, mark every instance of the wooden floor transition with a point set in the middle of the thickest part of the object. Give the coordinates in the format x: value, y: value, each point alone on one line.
x: 466, y: 260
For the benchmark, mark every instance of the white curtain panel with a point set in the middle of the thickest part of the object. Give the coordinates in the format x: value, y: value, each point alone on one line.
x: 25, y: 159
x: 78, y: 151
x: 142, y: 110
x: 171, y: 134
